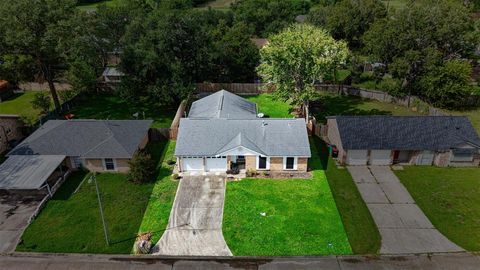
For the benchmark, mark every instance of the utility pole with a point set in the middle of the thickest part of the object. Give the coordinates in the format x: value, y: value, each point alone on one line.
x: 105, y: 229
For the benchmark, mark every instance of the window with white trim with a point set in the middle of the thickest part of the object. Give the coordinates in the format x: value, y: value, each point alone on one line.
x: 289, y: 163
x: 109, y: 164
x: 459, y: 157
x: 262, y: 163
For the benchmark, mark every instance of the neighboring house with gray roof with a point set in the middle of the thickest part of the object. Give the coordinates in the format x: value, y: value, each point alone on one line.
x: 416, y: 140
x: 97, y: 145
x: 223, y: 132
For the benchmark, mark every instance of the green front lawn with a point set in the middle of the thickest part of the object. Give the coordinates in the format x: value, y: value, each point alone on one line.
x: 450, y: 198
x: 301, y: 216
x: 109, y: 106
x: 71, y: 222
x: 270, y: 106
x: 20, y: 104
x: 361, y: 229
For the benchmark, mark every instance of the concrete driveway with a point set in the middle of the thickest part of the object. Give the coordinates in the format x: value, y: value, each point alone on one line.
x: 14, y: 216
x: 195, y: 223
x: 404, y: 228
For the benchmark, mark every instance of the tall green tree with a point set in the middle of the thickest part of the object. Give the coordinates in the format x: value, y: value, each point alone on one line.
x: 296, y: 58
x: 269, y: 16
x: 348, y: 19
x: 32, y: 29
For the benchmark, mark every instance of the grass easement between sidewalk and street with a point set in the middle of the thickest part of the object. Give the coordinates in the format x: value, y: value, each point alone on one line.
x: 301, y: 217
x: 450, y: 197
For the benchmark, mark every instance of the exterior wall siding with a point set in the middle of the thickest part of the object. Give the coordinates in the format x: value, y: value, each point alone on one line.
x: 250, y: 162
x: 276, y: 164
x: 10, y: 129
x: 96, y: 165
x: 334, y: 137
x: 302, y: 164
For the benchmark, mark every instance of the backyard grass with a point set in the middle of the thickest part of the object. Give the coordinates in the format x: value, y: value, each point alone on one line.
x: 71, y: 222
x: 330, y: 105
x: 361, y: 230
x: 270, y: 106
x: 156, y: 215
x: 93, y: 6
x: 301, y: 217
x: 450, y: 198
x: 107, y: 106
x: 20, y: 104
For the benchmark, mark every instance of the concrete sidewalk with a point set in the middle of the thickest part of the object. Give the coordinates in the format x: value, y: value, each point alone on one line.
x: 34, y: 261
x: 403, y: 226
x: 195, y: 223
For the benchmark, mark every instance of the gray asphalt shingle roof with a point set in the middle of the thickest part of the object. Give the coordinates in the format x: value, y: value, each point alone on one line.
x: 406, y: 132
x: 86, y: 138
x: 223, y: 104
x: 28, y: 172
x: 271, y: 137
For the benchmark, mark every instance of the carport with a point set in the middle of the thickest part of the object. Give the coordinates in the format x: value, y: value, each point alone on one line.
x: 32, y: 173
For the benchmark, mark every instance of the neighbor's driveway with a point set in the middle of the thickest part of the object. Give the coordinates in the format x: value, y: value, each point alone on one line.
x: 403, y: 226
x: 195, y: 223
x: 14, y: 216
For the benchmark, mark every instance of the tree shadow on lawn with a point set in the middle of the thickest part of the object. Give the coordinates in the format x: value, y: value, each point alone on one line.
x: 320, y: 153
x: 331, y: 105
x: 103, y: 106
x: 71, y: 184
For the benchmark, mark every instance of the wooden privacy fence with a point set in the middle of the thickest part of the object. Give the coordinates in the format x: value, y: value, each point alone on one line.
x: 160, y: 134
x: 412, y: 102
x: 237, y: 88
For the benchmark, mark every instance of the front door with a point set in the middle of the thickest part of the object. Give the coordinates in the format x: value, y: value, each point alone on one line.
x: 240, y: 162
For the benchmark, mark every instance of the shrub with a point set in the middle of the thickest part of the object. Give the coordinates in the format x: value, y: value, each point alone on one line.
x: 251, y: 173
x: 175, y: 176
x: 171, y: 162
x: 41, y: 101
x: 142, y: 168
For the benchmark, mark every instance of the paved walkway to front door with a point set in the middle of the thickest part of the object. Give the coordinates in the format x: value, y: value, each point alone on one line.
x: 195, y: 224
x: 403, y: 226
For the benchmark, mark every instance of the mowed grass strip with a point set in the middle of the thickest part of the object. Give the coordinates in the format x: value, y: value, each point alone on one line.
x: 361, y: 229
x: 301, y: 217
x: 155, y: 219
x: 450, y: 199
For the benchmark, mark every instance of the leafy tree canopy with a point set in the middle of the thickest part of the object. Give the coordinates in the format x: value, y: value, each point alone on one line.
x: 297, y: 58
x: 348, y: 19
x: 269, y: 16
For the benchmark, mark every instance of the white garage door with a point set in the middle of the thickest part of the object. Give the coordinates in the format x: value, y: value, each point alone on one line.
x: 215, y: 164
x: 357, y: 157
x: 192, y: 164
x: 380, y: 157
x: 425, y: 158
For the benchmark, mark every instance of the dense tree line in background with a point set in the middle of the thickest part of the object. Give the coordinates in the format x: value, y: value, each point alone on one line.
x: 167, y: 46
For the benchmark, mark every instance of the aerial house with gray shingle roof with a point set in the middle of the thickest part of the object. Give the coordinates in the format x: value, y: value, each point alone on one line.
x: 415, y: 140
x: 97, y: 145
x: 223, y: 132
